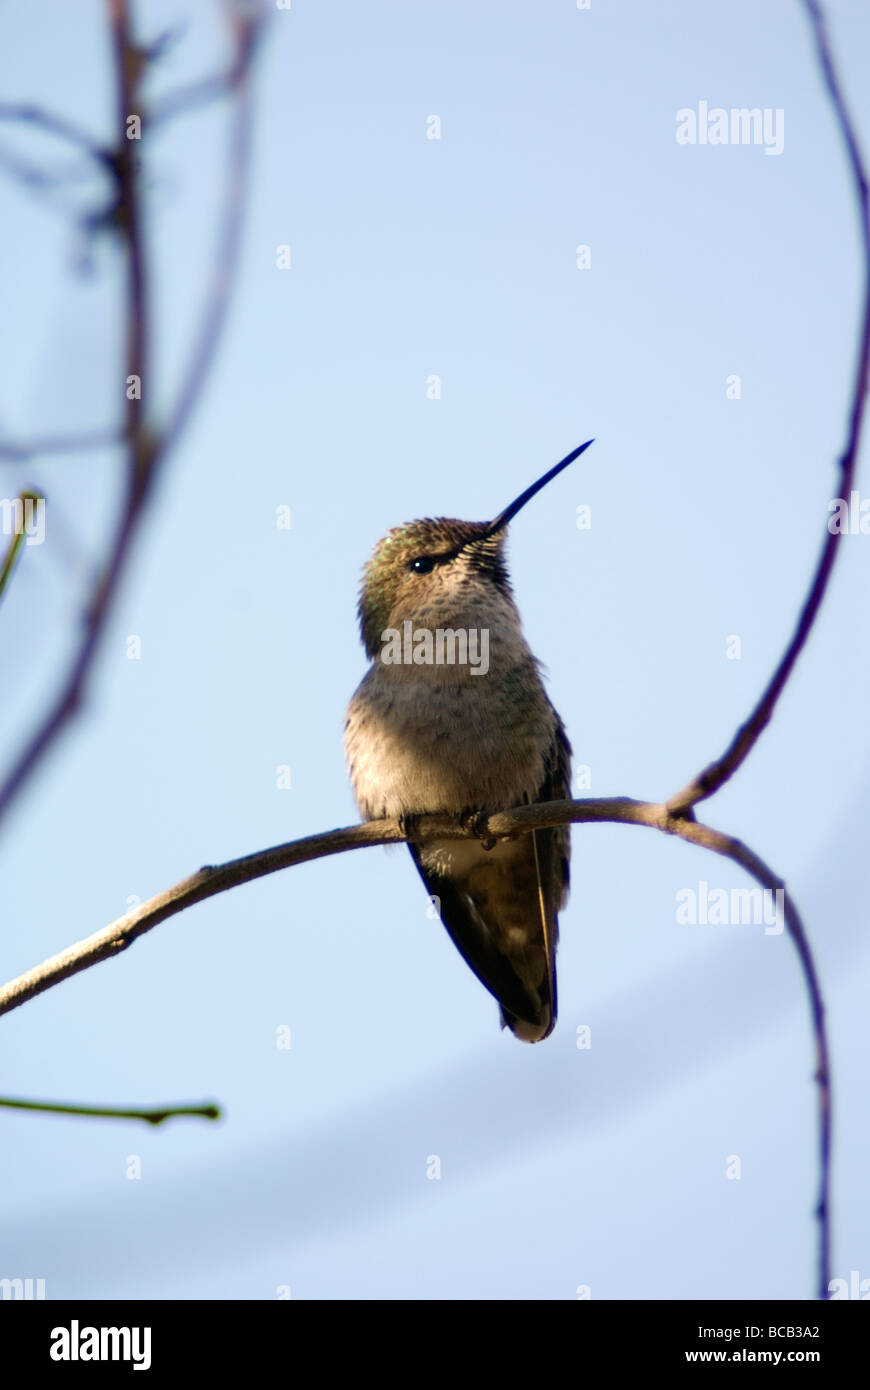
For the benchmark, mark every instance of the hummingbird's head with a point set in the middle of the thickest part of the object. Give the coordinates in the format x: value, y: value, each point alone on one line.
x: 434, y: 567
x: 427, y: 566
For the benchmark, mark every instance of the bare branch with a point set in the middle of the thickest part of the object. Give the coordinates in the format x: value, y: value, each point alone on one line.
x: 719, y: 772
x: 146, y: 446
x: 151, y: 1117
x: 211, y: 880
x: 140, y: 442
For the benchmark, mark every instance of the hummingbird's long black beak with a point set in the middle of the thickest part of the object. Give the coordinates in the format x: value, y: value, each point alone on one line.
x: 518, y: 503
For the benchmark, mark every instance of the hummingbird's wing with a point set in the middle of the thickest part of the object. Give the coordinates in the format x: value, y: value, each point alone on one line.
x: 553, y: 851
x: 501, y: 906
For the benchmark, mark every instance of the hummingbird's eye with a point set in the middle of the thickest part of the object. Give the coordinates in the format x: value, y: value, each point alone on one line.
x: 424, y: 564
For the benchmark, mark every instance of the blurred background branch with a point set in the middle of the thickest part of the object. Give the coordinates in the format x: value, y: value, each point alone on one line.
x: 147, y: 442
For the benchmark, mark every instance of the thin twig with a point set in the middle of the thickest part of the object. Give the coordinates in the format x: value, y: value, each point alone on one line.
x: 151, y: 1117
x: 719, y: 772
x: 140, y: 442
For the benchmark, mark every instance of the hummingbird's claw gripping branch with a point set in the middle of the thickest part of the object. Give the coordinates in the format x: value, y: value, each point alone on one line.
x: 476, y: 822
x: 409, y: 825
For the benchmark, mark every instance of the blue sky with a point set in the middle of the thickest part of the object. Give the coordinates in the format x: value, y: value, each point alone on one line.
x: 411, y: 257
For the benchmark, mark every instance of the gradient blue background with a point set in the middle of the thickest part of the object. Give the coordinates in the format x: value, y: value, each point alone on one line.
x: 560, y: 1167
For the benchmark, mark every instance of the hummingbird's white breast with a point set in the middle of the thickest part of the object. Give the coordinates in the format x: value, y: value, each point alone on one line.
x: 428, y: 737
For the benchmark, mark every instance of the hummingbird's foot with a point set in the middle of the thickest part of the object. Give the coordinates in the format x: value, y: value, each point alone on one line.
x: 476, y: 820
x: 409, y: 823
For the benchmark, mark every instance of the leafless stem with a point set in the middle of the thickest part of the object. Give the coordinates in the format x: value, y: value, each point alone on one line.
x: 719, y: 772
x: 151, y: 1117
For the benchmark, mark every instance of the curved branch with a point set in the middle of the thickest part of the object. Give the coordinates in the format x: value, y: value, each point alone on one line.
x: 211, y: 880
x: 717, y: 773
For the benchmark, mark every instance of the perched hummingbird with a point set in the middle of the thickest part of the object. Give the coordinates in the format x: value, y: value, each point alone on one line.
x: 427, y: 732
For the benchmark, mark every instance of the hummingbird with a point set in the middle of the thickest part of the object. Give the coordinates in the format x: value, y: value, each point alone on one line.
x: 452, y: 716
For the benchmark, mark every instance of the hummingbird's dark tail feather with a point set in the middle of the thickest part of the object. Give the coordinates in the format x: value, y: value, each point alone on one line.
x: 500, y: 906
x: 478, y: 945
x: 545, y: 1022
x: 530, y: 1032
x: 490, y: 904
